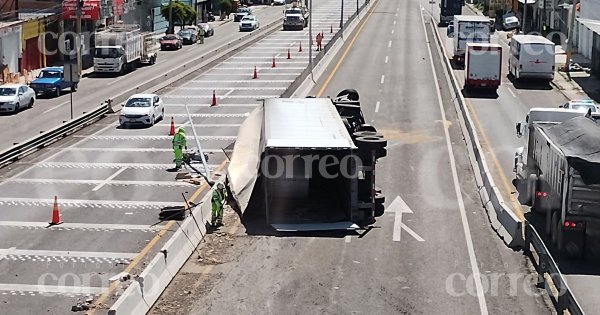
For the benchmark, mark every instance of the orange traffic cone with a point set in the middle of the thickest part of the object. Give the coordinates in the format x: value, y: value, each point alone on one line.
x: 214, y: 100
x: 273, y: 65
x: 331, y: 29
x: 255, y: 75
x: 300, y: 49
x: 289, y: 56
x: 55, y: 213
x: 172, y: 130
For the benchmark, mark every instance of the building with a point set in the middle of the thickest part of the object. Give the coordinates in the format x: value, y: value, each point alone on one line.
x: 587, y: 30
x: 10, y: 45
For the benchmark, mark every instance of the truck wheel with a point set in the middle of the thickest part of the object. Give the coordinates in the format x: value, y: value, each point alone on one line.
x: 152, y: 60
x: 379, y: 198
x: 352, y: 94
x: 57, y: 91
x: 370, y: 143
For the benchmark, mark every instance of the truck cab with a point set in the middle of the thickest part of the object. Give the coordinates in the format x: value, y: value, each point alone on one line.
x: 108, y: 58
x: 51, y: 81
x: 295, y: 17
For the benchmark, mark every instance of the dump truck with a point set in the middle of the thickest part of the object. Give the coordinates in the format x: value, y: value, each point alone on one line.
x: 307, y: 164
x: 558, y: 170
x: 448, y: 9
x: 123, y: 47
x: 483, y: 66
x: 468, y: 29
x: 295, y: 17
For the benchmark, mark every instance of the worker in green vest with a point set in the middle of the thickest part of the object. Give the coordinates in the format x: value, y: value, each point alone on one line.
x: 201, y: 33
x: 179, y: 143
x: 218, y: 201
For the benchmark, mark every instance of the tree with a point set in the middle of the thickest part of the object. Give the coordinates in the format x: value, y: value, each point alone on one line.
x: 182, y: 14
x: 226, y: 7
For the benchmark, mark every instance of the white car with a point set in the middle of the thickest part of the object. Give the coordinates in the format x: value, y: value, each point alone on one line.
x: 278, y: 2
x: 581, y: 105
x: 16, y: 96
x: 144, y: 109
x: 249, y: 23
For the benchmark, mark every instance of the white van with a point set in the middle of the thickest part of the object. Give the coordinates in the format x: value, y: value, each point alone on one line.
x: 531, y: 56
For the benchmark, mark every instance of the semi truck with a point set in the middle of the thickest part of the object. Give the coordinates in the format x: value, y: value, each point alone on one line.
x: 123, y: 47
x: 468, y: 29
x: 448, y: 9
x: 483, y: 66
x: 558, y: 171
x: 307, y: 164
x: 295, y: 17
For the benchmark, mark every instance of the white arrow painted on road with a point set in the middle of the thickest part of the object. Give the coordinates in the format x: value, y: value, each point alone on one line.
x: 399, y: 207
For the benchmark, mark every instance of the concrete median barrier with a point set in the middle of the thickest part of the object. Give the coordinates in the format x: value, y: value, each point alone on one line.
x: 502, y: 219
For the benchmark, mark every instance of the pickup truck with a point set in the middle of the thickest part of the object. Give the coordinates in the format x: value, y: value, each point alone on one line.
x: 52, y: 81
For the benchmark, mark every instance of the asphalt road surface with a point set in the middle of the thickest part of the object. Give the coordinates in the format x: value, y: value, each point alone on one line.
x: 111, y: 182
x: 495, y: 117
x: 432, y: 253
x: 50, y: 112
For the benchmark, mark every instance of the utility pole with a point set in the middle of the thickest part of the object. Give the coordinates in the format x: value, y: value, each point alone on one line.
x: 78, y: 31
x: 341, y: 17
x: 570, y: 38
x: 525, y: 17
x: 310, y: 47
x: 171, y: 28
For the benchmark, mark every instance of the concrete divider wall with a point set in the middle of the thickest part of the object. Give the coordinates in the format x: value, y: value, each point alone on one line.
x: 502, y: 219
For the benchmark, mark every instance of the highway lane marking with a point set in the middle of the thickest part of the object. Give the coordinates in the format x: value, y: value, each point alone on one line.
x: 56, y: 107
x: 345, y: 53
x: 348, y: 239
x: 393, y: 31
x: 206, y: 105
x: 240, y: 88
x: 139, y: 150
x: 80, y: 226
x: 240, y: 81
x: 387, y: 58
x: 511, y: 92
x: 229, y: 96
x: 111, y: 177
x: 80, y: 203
x: 262, y: 74
x: 101, y: 182
x: 382, y: 79
x: 56, y: 253
x: 390, y: 44
x: 265, y: 62
x: 141, y: 137
x: 252, y: 68
x: 244, y: 115
x: 505, y: 182
x: 394, y: 22
x: 398, y: 207
x: 99, y: 165
x: 377, y: 106
x: 56, y: 289
x: 457, y: 189
x: 124, y: 77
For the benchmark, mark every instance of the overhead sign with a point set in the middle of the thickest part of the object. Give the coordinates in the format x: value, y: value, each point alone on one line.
x: 71, y: 72
x: 89, y: 11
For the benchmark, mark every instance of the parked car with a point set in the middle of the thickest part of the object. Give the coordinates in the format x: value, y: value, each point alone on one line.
x: 581, y: 105
x: 16, y: 96
x: 241, y: 13
x: 278, y: 2
x: 208, y: 29
x: 249, y: 23
x: 52, y: 81
x: 210, y: 17
x: 510, y: 22
x: 188, y: 36
x: 171, y: 41
x: 144, y: 109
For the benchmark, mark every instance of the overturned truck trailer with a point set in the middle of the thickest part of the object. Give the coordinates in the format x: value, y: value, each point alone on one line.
x: 308, y: 164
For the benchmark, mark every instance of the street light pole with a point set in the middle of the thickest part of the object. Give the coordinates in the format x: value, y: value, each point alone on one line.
x: 171, y: 28
x: 310, y: 59
x: 342, y: 17
x: 78, y: 39
x: 524, y: 16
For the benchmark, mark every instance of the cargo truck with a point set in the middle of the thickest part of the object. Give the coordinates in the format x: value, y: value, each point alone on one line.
x: 558, y: 170
x: 483, y: 66
x: 295, y: 17
x: 532, y: 57
x: 448, y: 9
x: 122, y: 47
x: 468, y: 29
x: 308, y: 164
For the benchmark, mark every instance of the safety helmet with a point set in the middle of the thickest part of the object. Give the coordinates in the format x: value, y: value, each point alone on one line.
x: 181, y: 129
x: 220, y: 186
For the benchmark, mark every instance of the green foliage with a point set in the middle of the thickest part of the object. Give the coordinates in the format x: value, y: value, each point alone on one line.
x: 227, y: 6
x: 182, y: 13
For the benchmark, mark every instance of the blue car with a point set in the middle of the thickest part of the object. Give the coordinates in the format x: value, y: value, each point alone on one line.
x: 52, y: 81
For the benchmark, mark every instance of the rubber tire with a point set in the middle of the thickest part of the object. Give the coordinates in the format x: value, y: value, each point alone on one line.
x: 152, y: 60
x: 17, y: 108
x: 74, y: 88
x: 153, y: 122
x: 379, y: 210
x: 30, y: 103
x: 379, y: 198
x: 57, y: 91
x: 529, y: 189
x: 370, y: 143
x: 359, y: 134
x: 351, y: 93
x: 162, y: 114
x: 366, y: 127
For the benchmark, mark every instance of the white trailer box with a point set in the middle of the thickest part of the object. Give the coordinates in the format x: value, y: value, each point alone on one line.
x: 469, y: 29
x: 118, y: 49
x: 531, y: 56
x: 483, y: 66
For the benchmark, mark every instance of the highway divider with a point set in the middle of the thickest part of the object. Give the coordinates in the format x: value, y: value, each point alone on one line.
x: 515, y: 233
x: 503, y: 220
x: 112, y: 105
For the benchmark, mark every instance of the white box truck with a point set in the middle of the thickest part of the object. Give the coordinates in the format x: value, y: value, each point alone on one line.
x: 531, y: 56
x: 121, y: 48
x: 483, y: 66
x: 468, y: 29
x: 558, y: 170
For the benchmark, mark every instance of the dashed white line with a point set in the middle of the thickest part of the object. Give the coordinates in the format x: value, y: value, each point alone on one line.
x: 377, y: 106
x: 390, y: 44
x: 382, y: 78
x: 56, y: 107
x: 348, y: 239
x: 111, y: 177
x: 393, y: 31
x: 52, y: 253
x: 386, y: 59
x: 40, y: 288
x: 86, y: 226
x: 394, y: 22
x: 512, y: 93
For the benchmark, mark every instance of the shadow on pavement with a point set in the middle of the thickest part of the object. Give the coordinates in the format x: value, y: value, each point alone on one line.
x: 480, y: 93
x: 530, y: 84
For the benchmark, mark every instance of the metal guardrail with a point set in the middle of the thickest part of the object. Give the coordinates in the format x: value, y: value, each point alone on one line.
x: 549, y: 276
x: 521, y: 234
x: 20, y: 150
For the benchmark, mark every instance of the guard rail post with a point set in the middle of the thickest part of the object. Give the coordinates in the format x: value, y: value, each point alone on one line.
x: 109, y: 109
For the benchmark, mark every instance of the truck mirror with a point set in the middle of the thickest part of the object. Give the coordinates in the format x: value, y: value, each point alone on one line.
x: 450, y: 31
x: 518, y: 127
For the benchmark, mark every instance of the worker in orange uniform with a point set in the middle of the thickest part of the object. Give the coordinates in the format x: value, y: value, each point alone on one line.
x: 319, y: 39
